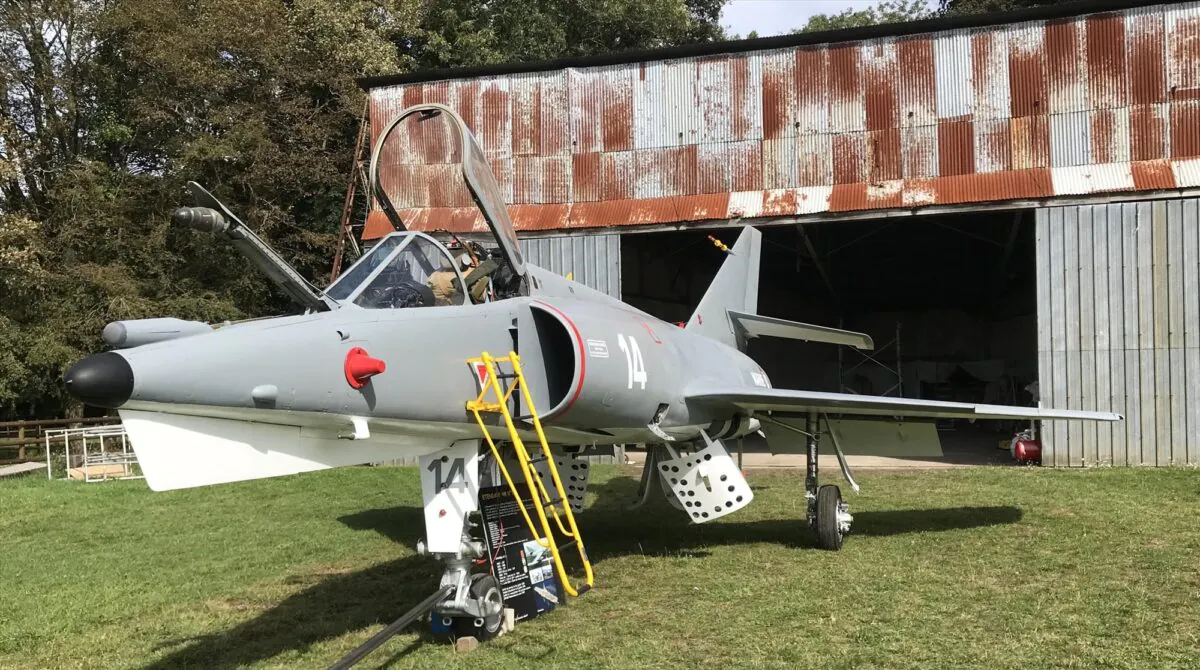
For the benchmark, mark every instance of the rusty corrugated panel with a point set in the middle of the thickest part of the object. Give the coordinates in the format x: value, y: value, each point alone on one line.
x: 778, y: 94
x: 918, y: 107
x: 1035, y: 183
x: 779, y: 163
x: 1079, y: 105
x: 814, y: 151
x: 586, y: 91
x: 377, y: 225
x: 956, y: 146
x: 680, y: 110
x: 1065, y: 65
x: 812, y: 90
x: 883, y: 153
x: 712, y: 168
x: 1147, y: 132
x: 847, y: 111
x: 616, y: 175
x: 778, y: 202
x: 848, y: 157
x: 1182, y: 28
x: 1152, y: 175
x: 1080, y: 179
x: 502, y: 169
x: 1107, y: 66
x: 495, y: 130
x: 1186, y: 172
x: 745, y: 110
x: 713, y: 99
x: 993, y: 145
x: 881, y: 76
x: 1185, y: 129
x: 617, y: 123
x: 540, y: 217
x: 468, y: 102
x: 585, y: 177
x: 649, y: 131
x: 702, y: 207
x: 745, y: 166
x: 848, y: 197
x: 649, y: 166
x: 555, y: 130
x: 526, y: 113
x: 1027, y: 70
x: 556, y: 179
x: 954, y: 74
x: 1110, y: 135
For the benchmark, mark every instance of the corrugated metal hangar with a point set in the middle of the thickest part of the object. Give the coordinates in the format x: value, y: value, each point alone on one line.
x: 999, y: 201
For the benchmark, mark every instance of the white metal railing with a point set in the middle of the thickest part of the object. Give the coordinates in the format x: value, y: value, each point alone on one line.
x: 91, y: 453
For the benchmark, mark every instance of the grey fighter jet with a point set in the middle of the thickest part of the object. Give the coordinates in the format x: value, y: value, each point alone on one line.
x: 393, y: 358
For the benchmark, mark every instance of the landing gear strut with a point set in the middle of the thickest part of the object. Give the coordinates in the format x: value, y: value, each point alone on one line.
x: 828, y: 514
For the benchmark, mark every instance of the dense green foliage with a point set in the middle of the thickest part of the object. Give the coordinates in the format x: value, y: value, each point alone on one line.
x: 111, y: 106
x: 887, y: 11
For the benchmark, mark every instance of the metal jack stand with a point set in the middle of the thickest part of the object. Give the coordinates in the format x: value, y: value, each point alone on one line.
x: 396, y: 626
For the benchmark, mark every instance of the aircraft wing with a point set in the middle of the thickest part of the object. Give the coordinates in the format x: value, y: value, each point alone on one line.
x: 799, y: 403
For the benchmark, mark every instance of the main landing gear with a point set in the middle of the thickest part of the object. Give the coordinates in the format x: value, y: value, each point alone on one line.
x: 827, y: 513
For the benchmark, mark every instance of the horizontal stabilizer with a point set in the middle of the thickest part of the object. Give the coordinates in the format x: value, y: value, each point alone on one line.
x: 755, y: 325
x: 796, y: 402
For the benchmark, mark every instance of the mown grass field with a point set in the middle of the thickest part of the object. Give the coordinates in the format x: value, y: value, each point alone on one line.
x: 984, y: 568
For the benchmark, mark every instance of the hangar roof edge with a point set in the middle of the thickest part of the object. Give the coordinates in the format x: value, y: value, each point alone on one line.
x: 1042, y: 13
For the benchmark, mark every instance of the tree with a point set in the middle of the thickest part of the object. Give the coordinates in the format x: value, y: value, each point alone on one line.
x: 110, y: 106
x: 958, y: 7
x: 459, y: 33
x: 887, y: 11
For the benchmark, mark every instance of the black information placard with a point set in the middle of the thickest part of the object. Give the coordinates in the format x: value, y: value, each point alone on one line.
x: 523, y: 568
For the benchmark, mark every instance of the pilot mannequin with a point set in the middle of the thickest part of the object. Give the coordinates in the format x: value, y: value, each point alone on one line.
x: 446, y: 289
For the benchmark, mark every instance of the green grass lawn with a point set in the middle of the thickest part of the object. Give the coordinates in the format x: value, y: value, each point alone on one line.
x: 984, y: 568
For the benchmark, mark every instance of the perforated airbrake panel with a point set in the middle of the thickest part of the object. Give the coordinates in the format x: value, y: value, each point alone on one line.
x: 573, y: 472
x: 707, y: 483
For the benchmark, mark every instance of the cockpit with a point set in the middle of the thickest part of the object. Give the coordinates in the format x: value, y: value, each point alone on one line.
x: 412, y: 269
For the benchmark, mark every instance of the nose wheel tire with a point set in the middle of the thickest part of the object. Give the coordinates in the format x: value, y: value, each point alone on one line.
x: 833, y: 518
x: 486, y: 591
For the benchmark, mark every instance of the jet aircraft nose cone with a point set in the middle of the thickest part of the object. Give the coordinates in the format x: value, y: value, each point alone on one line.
x: 101, y: 380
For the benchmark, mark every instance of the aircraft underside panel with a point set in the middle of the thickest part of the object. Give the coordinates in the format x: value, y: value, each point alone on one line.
x: 177, y: 451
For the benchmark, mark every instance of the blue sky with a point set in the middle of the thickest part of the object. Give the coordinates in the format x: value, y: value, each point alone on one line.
x: 774, y: 17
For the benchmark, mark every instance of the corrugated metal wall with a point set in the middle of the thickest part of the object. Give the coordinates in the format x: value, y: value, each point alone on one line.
x: 593, y: 260
x: 1104, y: 102
x: 1119, y: 329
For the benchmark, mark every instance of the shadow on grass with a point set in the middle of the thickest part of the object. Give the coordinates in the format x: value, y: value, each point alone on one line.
x: 351, y: 602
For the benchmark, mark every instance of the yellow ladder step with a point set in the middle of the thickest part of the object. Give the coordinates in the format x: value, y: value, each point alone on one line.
x: 555, y: 501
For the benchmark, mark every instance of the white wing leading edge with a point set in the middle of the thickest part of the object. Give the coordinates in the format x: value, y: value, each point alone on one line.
x: 796, y: 402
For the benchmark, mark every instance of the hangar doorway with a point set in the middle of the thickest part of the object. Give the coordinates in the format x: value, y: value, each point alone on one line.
x: 949, y: 300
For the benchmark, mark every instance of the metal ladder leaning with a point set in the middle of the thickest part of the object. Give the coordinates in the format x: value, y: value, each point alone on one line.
x: 542, y: 498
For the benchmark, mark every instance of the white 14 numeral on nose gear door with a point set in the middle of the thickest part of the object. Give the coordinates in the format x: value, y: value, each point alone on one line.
x: 633, y: 360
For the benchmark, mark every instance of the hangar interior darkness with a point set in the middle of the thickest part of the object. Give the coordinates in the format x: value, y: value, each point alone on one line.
x: 956, y: 291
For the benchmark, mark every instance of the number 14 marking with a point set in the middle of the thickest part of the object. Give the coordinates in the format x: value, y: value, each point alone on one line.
x: 634, y: 364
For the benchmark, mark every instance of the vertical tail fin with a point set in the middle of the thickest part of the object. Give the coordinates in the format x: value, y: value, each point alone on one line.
x: 734, y: 288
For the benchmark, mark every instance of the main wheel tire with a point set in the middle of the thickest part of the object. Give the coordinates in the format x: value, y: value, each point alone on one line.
x: 829, y: 535
x: 485, y: 589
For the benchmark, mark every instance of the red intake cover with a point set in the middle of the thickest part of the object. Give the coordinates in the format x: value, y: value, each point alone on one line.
x: 360, y: 367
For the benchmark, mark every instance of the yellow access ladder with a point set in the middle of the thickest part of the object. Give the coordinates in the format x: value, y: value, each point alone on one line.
x: 559, y: 507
